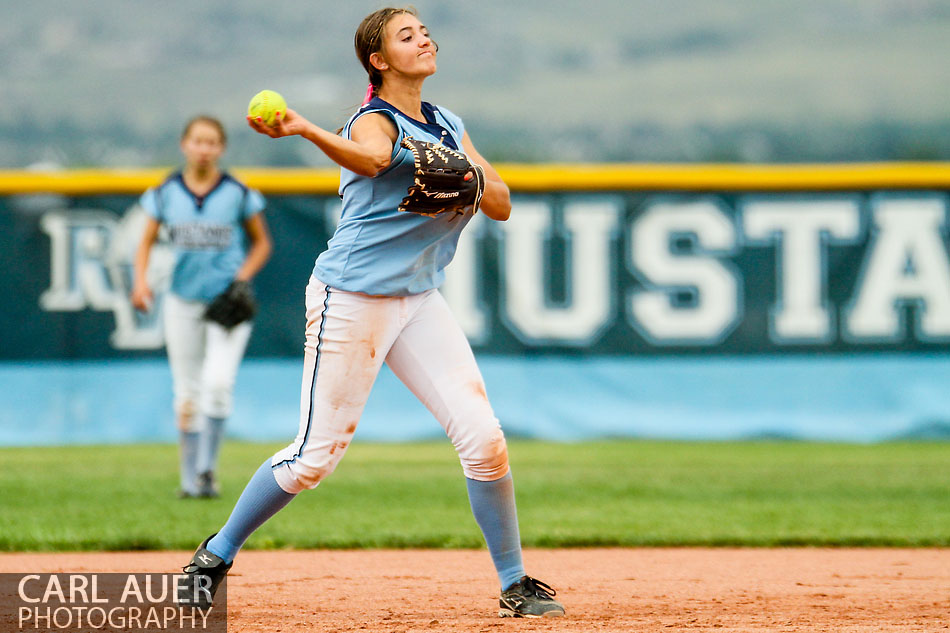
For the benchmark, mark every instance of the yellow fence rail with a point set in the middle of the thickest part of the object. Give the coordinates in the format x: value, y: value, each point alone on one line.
x: 531, y: 178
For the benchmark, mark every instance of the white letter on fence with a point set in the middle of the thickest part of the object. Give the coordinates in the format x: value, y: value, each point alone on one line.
x: 714, y: 307
x: 79, y: 244
x: 590, y: 226
x: 802, y: 228
x: 906, y: 263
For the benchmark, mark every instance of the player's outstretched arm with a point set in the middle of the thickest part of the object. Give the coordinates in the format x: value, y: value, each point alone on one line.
x: 367, y: 154
x: 496, y: 201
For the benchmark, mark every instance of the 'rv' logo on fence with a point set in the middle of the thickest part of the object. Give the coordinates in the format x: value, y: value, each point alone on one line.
x: 91, y: 267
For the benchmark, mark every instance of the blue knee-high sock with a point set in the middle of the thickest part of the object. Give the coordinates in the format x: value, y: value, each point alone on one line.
x: 187, y: 460
x: 261, y: 500
x: 209, y: 444
x: 493, y: 504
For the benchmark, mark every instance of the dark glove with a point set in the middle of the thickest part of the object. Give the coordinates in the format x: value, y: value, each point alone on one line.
x: 235, y: 305
x: 445, y: 180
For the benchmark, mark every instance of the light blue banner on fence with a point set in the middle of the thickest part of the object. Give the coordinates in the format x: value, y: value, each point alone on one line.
x: 865, y: 398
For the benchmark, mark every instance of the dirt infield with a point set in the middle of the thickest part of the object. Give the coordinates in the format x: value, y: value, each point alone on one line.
x: 609, y: 590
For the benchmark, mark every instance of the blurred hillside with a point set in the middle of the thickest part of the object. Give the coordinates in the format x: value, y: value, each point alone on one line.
x: 110, y: 82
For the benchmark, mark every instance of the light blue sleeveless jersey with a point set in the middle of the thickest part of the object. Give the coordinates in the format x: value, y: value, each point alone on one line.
x: 376, y: 248
x: 207, y: 234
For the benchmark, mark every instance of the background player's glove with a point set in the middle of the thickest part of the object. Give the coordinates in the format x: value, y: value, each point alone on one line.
x: 234, y: 305
x: 445, y: 180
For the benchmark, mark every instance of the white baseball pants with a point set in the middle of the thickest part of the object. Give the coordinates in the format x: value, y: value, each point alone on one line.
x: 204, y: 359
x: 348, y: 337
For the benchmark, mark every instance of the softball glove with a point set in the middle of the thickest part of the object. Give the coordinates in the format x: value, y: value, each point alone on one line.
x: 445, y: 180
x: 233, y: 306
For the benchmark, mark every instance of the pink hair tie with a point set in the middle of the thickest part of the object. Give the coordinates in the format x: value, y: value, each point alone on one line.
x: 369, y: 94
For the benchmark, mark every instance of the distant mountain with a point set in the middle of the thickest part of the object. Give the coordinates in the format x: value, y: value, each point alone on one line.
x: 110, y: 82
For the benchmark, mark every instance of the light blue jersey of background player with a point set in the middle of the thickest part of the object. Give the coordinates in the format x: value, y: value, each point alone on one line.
x: 206, y: 233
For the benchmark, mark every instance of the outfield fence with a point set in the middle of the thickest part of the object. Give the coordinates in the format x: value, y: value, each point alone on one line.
x: 682, y: 301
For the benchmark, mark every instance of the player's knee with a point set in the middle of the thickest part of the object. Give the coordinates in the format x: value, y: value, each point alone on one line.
x: 309, y: 477
x: 187, y: 416
x: 218, y: 401
x: 487, y: 457
x: 316, y: 465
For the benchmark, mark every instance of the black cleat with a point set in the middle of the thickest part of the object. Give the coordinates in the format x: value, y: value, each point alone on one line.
x: 529, y: 598
x: 203, y: 575
x: 207, y: 486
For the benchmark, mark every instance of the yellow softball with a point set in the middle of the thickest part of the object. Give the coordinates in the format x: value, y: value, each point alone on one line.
x: 266, y: 104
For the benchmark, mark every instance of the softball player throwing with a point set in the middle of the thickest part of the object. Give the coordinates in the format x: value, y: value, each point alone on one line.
x: 210, y: 217
x: 410, y: 181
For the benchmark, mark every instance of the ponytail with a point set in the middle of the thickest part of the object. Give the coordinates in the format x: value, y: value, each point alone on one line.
x: 370, y: 93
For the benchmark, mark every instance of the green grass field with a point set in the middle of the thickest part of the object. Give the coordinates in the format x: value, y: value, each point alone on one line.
x: 413, y: 495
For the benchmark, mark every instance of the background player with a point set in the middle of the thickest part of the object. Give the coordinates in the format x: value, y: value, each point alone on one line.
x: 373, y: 297
x: 220, y: 241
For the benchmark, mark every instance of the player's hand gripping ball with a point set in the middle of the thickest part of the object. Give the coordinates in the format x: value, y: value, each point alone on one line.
x: 266, y: 104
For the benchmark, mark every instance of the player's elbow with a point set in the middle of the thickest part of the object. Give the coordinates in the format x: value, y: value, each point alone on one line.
x: 266, y: 248
x: 504, y: 212
x: 497, y: 203
x: 377, y: 164
x: 368, y: 164
x: 381, y: 164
